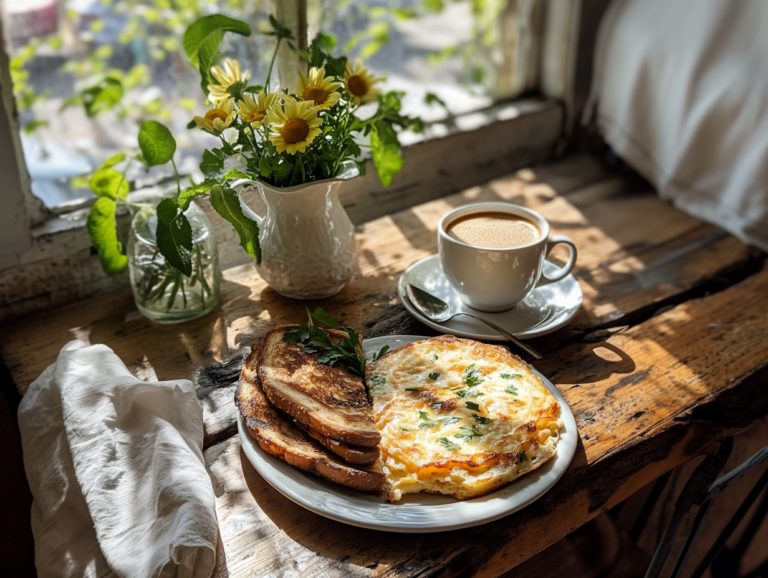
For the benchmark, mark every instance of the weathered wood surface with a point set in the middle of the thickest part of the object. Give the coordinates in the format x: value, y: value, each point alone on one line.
x: 663, y: 359
x: 637, y: 254
x: 645, y: 401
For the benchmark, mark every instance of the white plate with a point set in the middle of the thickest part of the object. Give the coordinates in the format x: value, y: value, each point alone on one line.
x: 416, y: 512
x: 543, y: 310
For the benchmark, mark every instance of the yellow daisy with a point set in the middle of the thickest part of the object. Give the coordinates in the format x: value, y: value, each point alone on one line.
x: 359, y: 82
x: 218, y: 118
x: 318, y: 88
x: 254, y: 111
x: 294, y: 128
x: 227, y: 75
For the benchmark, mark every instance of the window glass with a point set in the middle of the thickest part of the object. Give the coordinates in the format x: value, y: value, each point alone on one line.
x: 128, y: 58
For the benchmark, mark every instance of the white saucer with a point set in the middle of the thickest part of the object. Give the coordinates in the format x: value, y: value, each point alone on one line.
x: 416, y: 512
x: 543, y: 311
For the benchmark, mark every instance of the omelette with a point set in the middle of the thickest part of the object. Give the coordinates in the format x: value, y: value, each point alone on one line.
x: 459, y: 417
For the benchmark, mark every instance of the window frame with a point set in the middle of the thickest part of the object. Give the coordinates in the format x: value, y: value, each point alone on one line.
x: 40, y: 245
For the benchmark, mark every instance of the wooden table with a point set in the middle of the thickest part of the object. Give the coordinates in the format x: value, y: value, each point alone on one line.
x: 667, y: 356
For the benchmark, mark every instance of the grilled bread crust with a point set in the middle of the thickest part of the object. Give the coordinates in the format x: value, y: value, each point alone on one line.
x: 277, y: 436
x: 359, y: 455
x: 330, y: 400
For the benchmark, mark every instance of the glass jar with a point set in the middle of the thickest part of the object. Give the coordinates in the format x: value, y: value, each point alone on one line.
x: 163, y: 293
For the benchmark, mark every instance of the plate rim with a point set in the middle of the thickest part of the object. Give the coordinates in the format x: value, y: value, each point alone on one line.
x: 484, y: 336
x: 260, y: 460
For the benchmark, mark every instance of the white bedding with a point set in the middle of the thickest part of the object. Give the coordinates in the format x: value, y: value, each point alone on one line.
x: 681, y: 89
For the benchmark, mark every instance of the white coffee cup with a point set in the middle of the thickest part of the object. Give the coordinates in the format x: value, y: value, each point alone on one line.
x: 491, y: 279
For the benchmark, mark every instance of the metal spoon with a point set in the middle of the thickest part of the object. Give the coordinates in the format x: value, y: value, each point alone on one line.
x: 439, y: 311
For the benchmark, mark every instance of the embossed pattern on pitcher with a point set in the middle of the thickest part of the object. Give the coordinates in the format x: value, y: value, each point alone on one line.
x: 308, y: 246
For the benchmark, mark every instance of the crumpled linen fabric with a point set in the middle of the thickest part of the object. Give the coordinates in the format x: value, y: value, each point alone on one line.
x: 680, y: 92
x: 116, y: 469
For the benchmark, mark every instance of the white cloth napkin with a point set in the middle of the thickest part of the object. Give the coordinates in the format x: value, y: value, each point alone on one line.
x: 116, y: 469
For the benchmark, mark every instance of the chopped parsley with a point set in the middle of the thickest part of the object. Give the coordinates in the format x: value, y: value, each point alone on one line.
x: 522, y: 458
x: 449, y: 444
x: 436, y: 404
x: 510, y: 375
x: 378, y: 379
x: 469, y: 433
x: 469, y: 393
x: 412, y: 389
x: 427, y: 422
x: 472, y: 405
x: 482, y: 420
x: 405, y: 428
x: 472, y: 376
x: 434, y: 375
x: 511, y: 389
x: 434, y: 357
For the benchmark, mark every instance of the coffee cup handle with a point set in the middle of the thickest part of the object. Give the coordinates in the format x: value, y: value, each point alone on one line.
x: 561, y: 274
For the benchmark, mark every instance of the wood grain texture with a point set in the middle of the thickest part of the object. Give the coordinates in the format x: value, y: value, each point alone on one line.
x: 627, y: 270
x: 667, y: 355
x: 645, y: 401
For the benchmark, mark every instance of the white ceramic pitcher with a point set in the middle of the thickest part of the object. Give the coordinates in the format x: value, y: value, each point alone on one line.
x: 308, y: 247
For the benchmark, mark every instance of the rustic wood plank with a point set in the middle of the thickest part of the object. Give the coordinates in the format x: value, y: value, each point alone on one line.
x: 645, y: 401
x: 627, y: 270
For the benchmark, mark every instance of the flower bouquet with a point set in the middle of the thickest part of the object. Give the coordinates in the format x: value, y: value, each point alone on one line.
x: 281, y: 139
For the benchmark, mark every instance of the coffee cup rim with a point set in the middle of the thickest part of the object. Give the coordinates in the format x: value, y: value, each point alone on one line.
x: 504, y: 207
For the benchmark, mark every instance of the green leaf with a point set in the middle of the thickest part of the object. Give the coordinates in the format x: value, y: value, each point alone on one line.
x: 324, y: 318
x: 202, y: 40
x: 212, y: 164
x: 468, y: 433
x: 469, y: 393
x: 113, y: 160
x: 434, y: 375
x: 336, y: 66
x: 412, y: 389
x: 510, y: 375
x: 472, y: 405
x: 432, y: 98
x: 386, y: 152
x: 472, y: 376
x: 511, y: 389
x: 34, y: 125
x: 449, y: 444
x: 102, y: 96
x: 279, y: 29
x: 109, y: 183
x: 235, y: 174
x: 482, y: 420
x: 227, y: 204
x: 103, y: 231
x: 156, y: 143
x: 174, y: 236
x: 194, y: 191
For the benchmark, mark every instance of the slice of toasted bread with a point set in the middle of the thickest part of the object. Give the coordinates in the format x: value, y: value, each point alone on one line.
x: 277, y: 436
x: 331, y: 400
x: 360, y: 455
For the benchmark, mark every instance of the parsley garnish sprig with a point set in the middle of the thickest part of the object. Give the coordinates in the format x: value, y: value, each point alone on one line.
x: 472, y: 376
x: 469, y: 433
x: 316, y: 340
x: 427, y: 422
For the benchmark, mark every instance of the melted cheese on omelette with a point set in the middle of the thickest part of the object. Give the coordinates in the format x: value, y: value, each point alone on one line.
x: 459, y: 417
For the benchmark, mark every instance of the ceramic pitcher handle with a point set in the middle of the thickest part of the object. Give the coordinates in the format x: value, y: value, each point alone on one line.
x: 561, y: 274
x: 247, y: 211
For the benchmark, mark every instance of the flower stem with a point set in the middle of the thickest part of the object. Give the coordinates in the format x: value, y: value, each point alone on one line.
x: 271, y: 64
x: 176, y: 172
